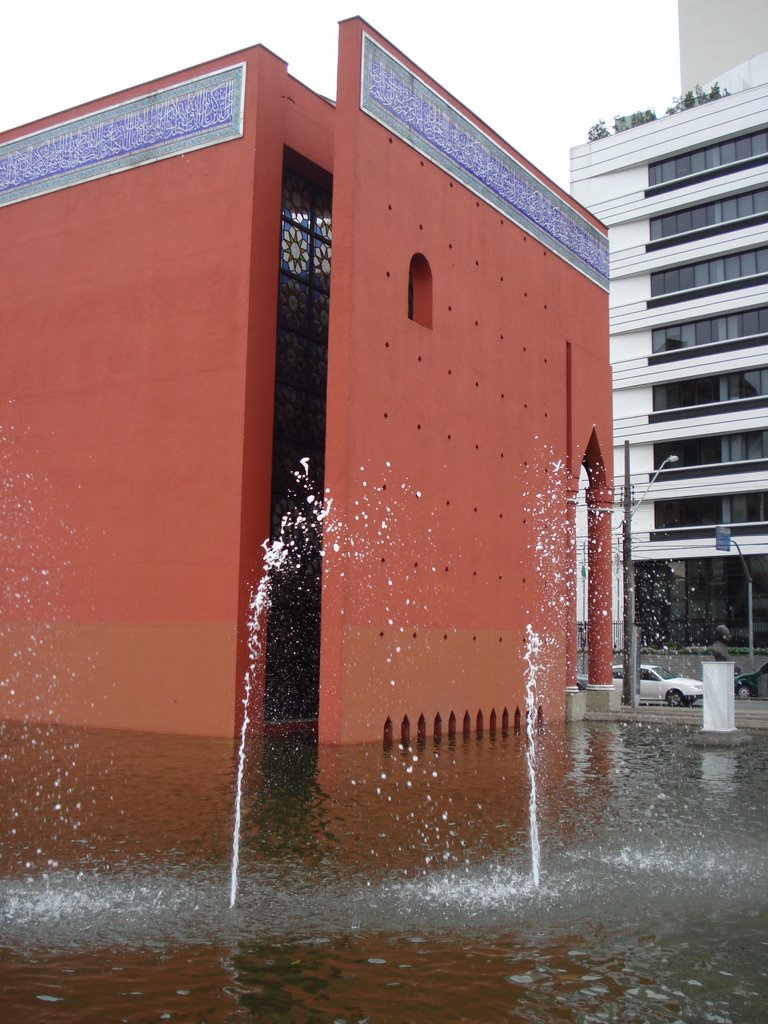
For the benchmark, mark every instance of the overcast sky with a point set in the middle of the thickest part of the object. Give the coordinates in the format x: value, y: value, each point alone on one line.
x: 539, y: 73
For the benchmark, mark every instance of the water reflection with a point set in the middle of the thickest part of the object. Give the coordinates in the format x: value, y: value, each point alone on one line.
x: 382, y: 884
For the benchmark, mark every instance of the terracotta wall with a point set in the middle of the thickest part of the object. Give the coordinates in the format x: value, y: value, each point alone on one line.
x: 138, y: 339
x: 450, y: 449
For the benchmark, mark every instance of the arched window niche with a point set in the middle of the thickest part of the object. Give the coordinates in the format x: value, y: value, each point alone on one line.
x: 420, y: 290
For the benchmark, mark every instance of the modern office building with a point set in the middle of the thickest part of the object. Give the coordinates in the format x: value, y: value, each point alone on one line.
x: 685, y: 198
x: 176, y: 348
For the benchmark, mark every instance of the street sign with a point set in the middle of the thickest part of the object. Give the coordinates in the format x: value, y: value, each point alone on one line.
x: 722, y: 538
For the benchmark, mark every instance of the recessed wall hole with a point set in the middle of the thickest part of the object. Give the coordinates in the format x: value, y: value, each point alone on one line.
x: 452, y: 726
x: 474, y: 572
x: 383, y: 559
x: 389, y: 206
x: 466, y: 724
x: 390, y: 141
x: 413, y: 635
x: 477, y: 446
x: 445, y: 636
x: 437, y: 728
x: 421, y: 729
x: 450, y: 372
x: 477, y: 203
x: 477, y: 263
x: 388, y: 740
x: 517, y: 721
x: 381, y: 633
x: 492, y: 722
x: 505, y: 721
x: 418, y: 426
x: 477, y: 323
x: 421, y: 227
x: 386, y: 415
x: 386, y: 344
x: 540, y: 718
x: 479, y: 723
x: 475, y: 508
x: 477, y: 383
x: 419, y: 358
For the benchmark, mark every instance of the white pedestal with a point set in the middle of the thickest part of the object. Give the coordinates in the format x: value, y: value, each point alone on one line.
x: 719, y: 714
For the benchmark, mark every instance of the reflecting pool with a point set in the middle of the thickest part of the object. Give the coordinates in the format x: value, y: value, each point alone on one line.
x: 383, y: 885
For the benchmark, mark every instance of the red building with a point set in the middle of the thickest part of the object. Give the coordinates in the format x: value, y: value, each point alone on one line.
x: 173, y: 348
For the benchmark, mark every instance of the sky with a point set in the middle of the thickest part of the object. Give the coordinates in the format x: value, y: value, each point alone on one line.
x: 540, y: 74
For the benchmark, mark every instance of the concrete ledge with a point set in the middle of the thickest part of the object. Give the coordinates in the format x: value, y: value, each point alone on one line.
x: 720, y: 738
x: 751, y: 715
x: 575, y: 705
x: 603, y: 698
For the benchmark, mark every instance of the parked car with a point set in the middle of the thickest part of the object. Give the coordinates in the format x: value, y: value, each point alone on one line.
x: 658, y: 685
x: 745, y: 685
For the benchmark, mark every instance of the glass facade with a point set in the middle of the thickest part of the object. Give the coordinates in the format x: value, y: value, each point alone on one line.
x: 710, y: 272
x: 681, y: 601
x: 711, y: 510
x: 708, y: 158
x: 722, y: 211
x: 293, y: 634
x: 750, y: 446
x: 727, y: 387
x: 710, y: 330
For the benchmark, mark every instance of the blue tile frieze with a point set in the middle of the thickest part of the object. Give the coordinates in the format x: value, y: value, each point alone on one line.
x: 194, y: 114
x: 408, y: 108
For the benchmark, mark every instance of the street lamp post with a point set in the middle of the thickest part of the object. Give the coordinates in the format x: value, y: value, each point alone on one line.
x: 629, y: 688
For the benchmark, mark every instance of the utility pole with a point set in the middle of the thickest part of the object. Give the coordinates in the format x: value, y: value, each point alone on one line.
x: 628, y: 688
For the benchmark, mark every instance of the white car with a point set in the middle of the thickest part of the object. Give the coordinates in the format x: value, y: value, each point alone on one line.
x: 657, y: 685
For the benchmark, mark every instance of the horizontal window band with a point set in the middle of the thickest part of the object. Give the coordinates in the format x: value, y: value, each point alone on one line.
x: 734, y: 284
x: 711, y: 230
x: 714, y: 172
x: 670, y: 474
x: 710, y: 348
x: 697, y: 532
x: 711, y: 409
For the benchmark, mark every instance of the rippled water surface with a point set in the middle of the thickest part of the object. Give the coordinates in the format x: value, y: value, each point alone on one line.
x: 377, y: 885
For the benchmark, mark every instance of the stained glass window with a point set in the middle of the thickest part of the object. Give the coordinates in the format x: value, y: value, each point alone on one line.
x: 293, y: 637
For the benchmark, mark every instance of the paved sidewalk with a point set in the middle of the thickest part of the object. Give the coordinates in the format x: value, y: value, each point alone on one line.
x: 749, y: 714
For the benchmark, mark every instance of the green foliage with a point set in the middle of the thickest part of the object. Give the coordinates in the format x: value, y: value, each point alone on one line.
x: 693, y: 98
x: 621, y: 123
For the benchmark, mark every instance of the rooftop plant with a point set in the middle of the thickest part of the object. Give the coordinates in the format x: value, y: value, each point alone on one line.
x: 693, y: 98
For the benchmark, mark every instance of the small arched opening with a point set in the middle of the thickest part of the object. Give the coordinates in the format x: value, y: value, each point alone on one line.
x: 420, y: 290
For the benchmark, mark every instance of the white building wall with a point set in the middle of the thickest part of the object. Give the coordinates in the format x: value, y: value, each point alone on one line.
x: 611, y: 177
